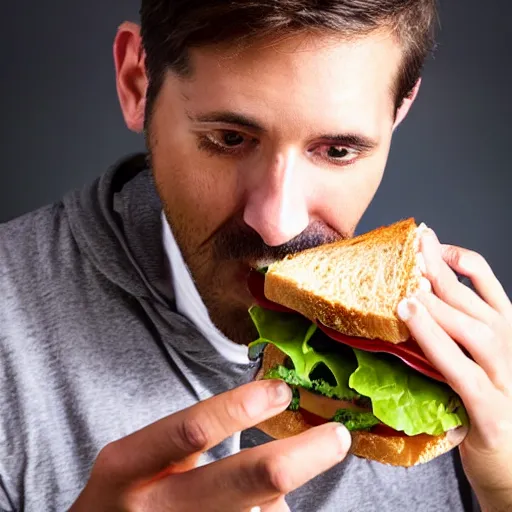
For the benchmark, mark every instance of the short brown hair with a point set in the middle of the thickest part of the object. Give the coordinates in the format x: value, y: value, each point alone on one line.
x: 171, y: 27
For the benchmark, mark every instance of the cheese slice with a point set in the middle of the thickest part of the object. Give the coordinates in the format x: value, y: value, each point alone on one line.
x: 323, y: 406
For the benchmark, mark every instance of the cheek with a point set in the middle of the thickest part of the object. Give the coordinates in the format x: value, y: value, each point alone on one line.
x: 346, y: 195
x: 199, y: 193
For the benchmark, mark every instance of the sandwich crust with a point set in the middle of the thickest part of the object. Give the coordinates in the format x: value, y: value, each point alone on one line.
x: 353, y: 286
x: 396, y: 450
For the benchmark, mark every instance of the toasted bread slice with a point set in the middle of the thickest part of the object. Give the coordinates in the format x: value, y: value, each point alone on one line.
x: 353, y: 286
x: 399, y: 450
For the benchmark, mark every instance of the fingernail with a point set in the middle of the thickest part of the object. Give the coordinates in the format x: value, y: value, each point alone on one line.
x: 425, y: 285
x: 282, y: 394
x: 429, y: 239
x: 431, y: 250
x: 268, y: 395
x: 404, y: 311
x: 344, y: 439
x: 432, y: 233
x: 420, y: 263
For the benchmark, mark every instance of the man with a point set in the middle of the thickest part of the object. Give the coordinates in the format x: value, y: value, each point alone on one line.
x: 125, y: 381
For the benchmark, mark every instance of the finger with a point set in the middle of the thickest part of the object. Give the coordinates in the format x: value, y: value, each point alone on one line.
x: 463, y: 375
x: 446, y: 285
x: 151, y: 452
x: 475, y: 266
x: 279, y: 505
x: 261, y: 474
x: 482, y: 343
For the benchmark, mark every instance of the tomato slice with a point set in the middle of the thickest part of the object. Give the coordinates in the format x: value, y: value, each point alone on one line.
x: 312, y: 419
x: 409, y: 352
x: 385, y: 431
x: 256, y: 284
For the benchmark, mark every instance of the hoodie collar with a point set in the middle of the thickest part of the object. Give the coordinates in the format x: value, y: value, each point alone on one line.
x: 190, y: 304
x: 117, y: 224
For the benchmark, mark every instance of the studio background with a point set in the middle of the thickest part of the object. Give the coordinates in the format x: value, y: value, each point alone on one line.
x: 449, y: 166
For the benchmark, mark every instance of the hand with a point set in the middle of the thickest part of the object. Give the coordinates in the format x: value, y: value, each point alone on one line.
x: 455, y: 321
x: 155, y: 469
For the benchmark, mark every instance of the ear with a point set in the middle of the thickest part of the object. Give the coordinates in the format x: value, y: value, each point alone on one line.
x: 407, y: 104
x: 131, y: 79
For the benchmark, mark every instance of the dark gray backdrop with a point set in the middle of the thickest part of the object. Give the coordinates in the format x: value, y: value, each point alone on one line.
x: 449, y: 165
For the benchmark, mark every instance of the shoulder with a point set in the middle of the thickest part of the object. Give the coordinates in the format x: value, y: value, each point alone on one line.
x: 31, y: 252
x: 34, y: 245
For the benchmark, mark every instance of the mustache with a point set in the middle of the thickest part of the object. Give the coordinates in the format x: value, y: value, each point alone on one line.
x: 238, y: 241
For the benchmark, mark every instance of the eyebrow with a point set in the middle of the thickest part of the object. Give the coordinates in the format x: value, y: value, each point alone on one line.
x: 354, y: 140
x: 227, y: 118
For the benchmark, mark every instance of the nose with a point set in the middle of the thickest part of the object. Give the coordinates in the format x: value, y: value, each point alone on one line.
x: 277, y: 206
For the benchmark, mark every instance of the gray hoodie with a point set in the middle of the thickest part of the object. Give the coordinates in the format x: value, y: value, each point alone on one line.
x: 92, y: 349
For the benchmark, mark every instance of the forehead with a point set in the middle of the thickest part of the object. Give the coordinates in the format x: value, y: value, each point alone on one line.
x: 301, y: 79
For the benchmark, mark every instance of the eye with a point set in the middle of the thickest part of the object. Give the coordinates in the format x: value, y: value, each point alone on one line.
x: 225, y: 139
x: 226, y: 142
x: 231, y: 139
x: 337, y: 154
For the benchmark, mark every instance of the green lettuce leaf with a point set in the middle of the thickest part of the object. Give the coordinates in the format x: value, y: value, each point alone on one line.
x: 356, y: 420
x: 353, y: 420
x: 295, y: 403
x: 291, y: 334
x: 291, y: 378
x: 405, y: 399
x: 400, y: 397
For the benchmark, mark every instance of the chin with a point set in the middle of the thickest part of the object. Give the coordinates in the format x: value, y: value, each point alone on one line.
x: 229, y: 313
x: 227, y: 298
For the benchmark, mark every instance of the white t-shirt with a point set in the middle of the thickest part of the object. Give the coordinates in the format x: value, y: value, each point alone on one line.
x: 190, y: 304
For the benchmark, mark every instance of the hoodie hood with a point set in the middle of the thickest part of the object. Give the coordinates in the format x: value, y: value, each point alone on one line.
x: 117, y: 224
x: 116, y: 221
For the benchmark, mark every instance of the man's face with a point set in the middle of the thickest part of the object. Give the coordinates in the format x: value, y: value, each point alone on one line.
x: 269, y: 150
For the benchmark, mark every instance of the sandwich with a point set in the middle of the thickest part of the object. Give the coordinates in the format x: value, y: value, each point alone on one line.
x: 327, y: 324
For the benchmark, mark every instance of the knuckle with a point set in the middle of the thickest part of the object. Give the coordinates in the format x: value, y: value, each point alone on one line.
x: 238, y: 410
x: 110, y: 460
x: 248, y: 478
x: 486, y: 337
x: 140, y: 500
x: 471, y: 383
x: 500, y: 327
x: 472, y: 262
x: 477, y: 260
x: 192, y: 435
x: 277, y: 474
x: 452, y: 255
